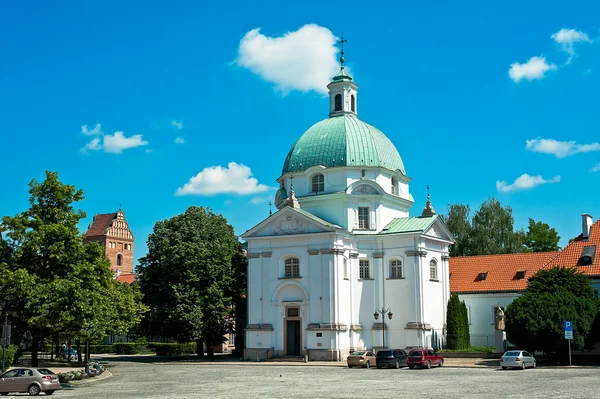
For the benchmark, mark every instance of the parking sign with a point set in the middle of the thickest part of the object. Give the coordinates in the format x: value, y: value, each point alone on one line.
x: 568, y: 325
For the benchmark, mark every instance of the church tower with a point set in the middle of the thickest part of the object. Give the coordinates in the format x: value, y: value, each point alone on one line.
x: 112, y: 232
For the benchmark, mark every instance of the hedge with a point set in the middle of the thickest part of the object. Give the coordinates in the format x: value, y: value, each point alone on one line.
x: 173, y: 349
x: 10, y: 356
x: 95, y: 349
x: 129, y: 348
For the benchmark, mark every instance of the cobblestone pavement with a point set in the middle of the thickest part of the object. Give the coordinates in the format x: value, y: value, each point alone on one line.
x: 276, y: 380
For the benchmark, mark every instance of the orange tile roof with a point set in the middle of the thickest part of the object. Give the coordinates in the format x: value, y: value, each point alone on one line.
x: 128, y: 278
x: 501, y: 271
x: 569, y: 255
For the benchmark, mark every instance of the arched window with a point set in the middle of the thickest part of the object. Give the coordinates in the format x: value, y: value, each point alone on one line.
x: 394, y: 186
x: 433, y: 274
x: 119, y: 260
x: 338, y: 102
x: 352, y: 103
x: 396, y: 270
x: 318, y: 183
x: 292, y: 267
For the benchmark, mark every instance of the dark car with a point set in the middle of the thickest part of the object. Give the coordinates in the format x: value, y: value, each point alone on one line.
x: 424, y: 358
x: 391, y: 358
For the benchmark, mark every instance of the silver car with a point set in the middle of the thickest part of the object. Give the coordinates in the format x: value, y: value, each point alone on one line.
x: 517, y: 359
x: 30, y: 380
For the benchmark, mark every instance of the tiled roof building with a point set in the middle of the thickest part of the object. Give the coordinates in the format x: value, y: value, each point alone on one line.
x: 112, y: 232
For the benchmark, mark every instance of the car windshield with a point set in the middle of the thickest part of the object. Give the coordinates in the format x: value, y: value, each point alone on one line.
x: 415, y: 353
x: 45, y: 371
x: 512, y: 353
x: 358, y: 353
x: 384, y: 353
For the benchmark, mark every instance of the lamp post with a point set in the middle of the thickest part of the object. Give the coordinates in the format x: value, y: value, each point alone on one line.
x: 5, y: 338
x: 383, y: 312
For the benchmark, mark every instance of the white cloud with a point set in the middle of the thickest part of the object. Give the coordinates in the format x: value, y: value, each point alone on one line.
x: 177, y: 124
x: 559, y: 149
x: 524, y: 182
x: 94, y: 132
x: 93, y: 145
x: 535, y: 68
x: 235, y: 179
x: 259, y: 200
x: 303, y: 60
x: 595, y: 168
x: 117, y: 142
x: 567, y: 37
x: 179, y: 140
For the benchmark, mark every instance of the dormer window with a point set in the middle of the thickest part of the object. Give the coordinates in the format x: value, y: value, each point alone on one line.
x: 318, y: 183
x: 520, y: 275
x: 482, y: 276
x: 394, y: 186
x: 338, y: 102
x: 587, y: 255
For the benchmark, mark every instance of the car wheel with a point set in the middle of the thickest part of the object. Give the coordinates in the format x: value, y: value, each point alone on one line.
x: 411, y: 366
x: 504, y: 367
x: 441, y: 363
x: 378, y: 367
x: 523, y: 366
x: 349, y: 366
x: 397, y: 364
x: 33, y: 390
x: 428, y: 365
x: 534, y: 364
x: 4, y: 393
x: 49, y: 392
x: 368, y: 365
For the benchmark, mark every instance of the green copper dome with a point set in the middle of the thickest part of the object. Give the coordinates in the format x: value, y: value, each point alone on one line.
x: 340, y: 141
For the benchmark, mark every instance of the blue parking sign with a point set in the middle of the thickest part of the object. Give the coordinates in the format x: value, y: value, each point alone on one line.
x: 568, y: 325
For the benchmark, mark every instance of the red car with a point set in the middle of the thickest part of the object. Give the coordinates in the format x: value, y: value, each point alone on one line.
x: 424, y: 358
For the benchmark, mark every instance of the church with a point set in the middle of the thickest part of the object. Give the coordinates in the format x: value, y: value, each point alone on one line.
x: 342, y: 265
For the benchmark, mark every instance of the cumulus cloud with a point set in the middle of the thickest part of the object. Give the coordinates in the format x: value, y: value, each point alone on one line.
x: 567, y: 38
x: 118, y: 142
x: 179, y: 140
x: 302, y: 60
x: 535, y: 68
x: 234, y: 179
x: 524, y: 182
x: 93, y: 145
x: 94, y: 132
x: 595, y: 168
x: 177, y: 124
x: 560, y: 149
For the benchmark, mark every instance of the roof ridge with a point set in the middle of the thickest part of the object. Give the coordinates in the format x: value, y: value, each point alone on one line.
x: 511, y: 254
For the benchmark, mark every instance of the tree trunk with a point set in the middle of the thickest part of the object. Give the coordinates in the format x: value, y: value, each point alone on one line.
x: 57, y: 347
x: 69, y: 350
x: 200, y: 347
x: 209, y: 348
x: 78, y: 347
x: 34, y: 351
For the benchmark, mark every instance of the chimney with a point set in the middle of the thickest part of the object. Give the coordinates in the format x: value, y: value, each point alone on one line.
x: 586, y: 225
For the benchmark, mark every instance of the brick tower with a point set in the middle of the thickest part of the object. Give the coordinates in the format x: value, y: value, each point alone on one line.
x: 112, y: 232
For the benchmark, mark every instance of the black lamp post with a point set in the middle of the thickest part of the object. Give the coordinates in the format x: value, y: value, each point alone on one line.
x: 383, y: 312
x: 5, y: 337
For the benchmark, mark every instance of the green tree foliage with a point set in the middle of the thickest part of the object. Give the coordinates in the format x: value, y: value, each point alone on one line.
x: 490, y: 231
x: 63, y: 287
x: 457, y: 324
x: 540, y: 237
x: 189, y: 277
x: 535, y: 320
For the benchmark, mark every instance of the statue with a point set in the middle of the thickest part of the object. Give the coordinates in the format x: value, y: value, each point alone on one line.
x: 499, y: 319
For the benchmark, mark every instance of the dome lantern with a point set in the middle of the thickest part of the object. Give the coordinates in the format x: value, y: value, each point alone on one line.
x: 342, y: 91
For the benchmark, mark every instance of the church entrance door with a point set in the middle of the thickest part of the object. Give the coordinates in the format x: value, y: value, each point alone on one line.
x: 293, y: 337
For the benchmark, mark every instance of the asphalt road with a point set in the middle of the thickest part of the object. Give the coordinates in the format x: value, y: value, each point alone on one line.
x: 222, y: 380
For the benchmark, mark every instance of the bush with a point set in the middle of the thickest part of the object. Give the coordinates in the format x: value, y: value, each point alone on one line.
x: 174, y: 349
x: 129, y: 348
x: 10, y: 354
x: 95, y: 349
x: 472, y: 349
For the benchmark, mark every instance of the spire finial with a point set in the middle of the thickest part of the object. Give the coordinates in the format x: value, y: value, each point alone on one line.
x: 270, y: 210
x: 342, y: 41
x: 428, y: 197
x: 428, y: 211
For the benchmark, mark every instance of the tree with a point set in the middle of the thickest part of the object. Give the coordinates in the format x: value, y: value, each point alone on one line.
x: 490, y: 231
x: 540, y: 237
x: 69, y: 284
x: 457, y: 324
x: 535, y: 320
x: 188, y: 277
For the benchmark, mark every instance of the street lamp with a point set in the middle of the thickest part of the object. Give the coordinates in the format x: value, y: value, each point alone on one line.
x: 383, y: 312
x: 6, y: 337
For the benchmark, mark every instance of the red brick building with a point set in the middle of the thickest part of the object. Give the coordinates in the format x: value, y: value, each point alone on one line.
x: 112, y: 232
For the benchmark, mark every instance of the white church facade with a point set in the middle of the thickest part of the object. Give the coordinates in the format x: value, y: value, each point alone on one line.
x: 342, y: 248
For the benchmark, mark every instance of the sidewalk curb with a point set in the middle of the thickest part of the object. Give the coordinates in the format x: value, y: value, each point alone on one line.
x: 82, y: 383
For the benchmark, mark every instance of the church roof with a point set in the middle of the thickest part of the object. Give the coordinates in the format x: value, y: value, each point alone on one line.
x: 100, y: 224
x: 128, y: 278
x: 495, y: 273
x: 409, y: 225
x: 339, y: 141
x: 318, y: 219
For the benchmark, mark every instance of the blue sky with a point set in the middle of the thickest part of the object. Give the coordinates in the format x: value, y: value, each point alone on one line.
x: 473, y: 95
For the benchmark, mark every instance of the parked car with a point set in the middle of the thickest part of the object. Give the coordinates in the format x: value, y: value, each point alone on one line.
x: 391, y: 358
x: 29, y: 380
x: 361, y: 359
x: 517, y: 359
x: 424, y: 358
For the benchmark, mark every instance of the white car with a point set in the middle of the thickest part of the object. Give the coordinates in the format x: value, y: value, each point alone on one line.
x: 517, y: 359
